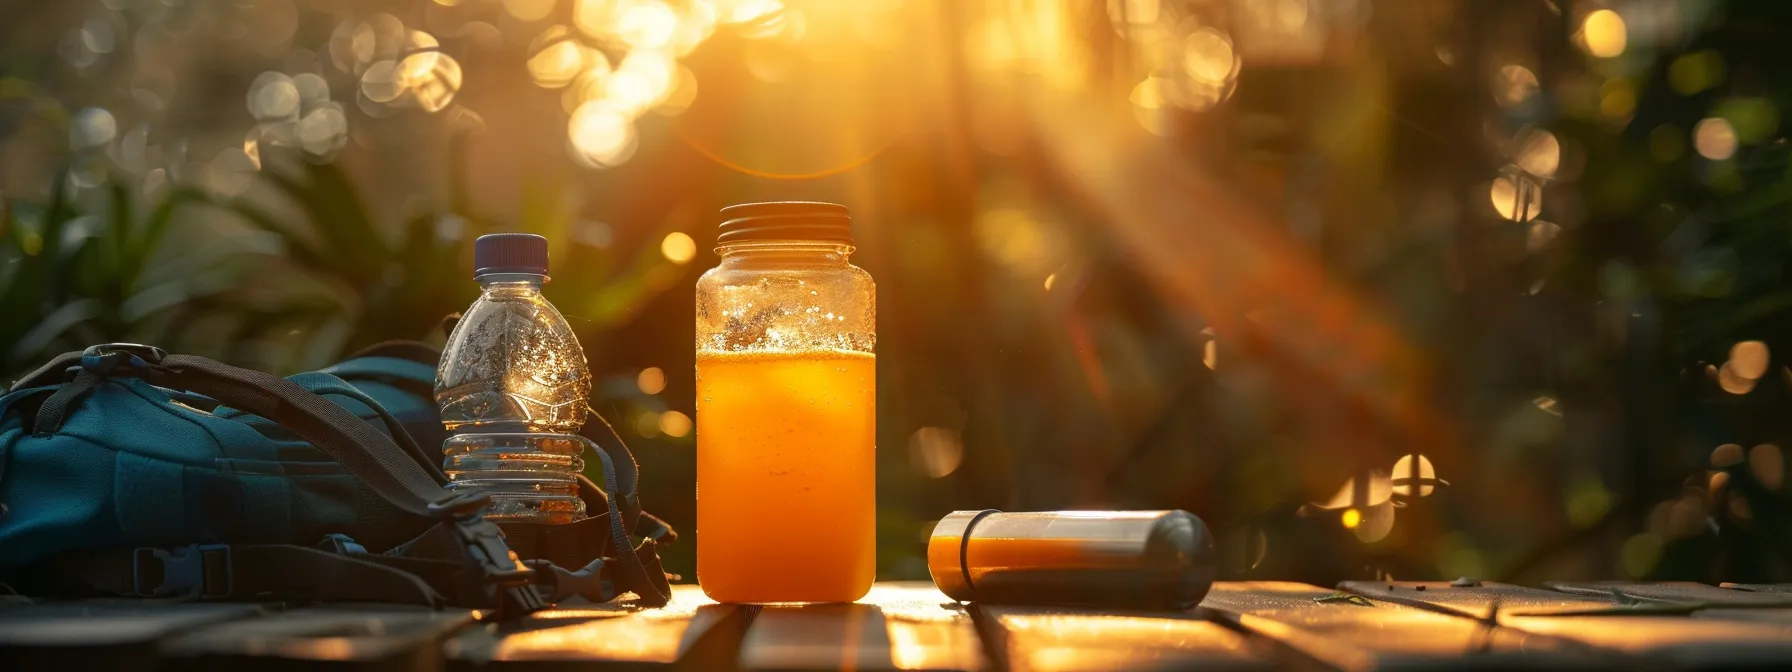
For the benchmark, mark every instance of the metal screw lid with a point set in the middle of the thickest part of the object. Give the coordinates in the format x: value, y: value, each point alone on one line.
x: 786, y: 220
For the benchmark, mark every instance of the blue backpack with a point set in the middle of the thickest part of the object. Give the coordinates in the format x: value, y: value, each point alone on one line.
x: 127, y: 471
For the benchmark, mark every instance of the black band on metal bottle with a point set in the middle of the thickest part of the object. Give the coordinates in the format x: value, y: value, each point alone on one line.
x: 964, y: 549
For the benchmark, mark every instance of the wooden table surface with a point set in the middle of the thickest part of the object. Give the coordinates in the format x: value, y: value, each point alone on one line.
x: 911, y: 626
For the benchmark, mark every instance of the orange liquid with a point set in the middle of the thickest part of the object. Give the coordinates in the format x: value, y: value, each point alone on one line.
x: 786, y: 476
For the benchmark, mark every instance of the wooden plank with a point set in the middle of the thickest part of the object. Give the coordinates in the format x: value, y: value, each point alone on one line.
x: 1779, y: 588
x: 1661, y: 633
x: 1357, y: 633
x: 692, y: 630
x: 927, y: 630
x: 1067, y: 640
x: 1684, y: 592
x: 817, y: 637
x: 366, y: 636
x: 1670, y: 640
x: 898, y: 626
x: 1479, y: 600
x: 111, y: 635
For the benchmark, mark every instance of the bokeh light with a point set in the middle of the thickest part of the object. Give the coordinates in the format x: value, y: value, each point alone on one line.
x: 1732, y: 382
x: 936, y: 452
x: 1753, y: 119
x: 323, y: 131
x: 678, y: 247
x: 380, y: 82
x: 647, y: 424
x: 589, y: 84
x: 1424, y: 479
x: 273, y: 96
x: 436, y: 87
x: 1714, y: 139
x: 1749, y: 359
x: 1539, y: 153
x: 1516, y: 197
x: 1768, y: 465
x: 1380, y: 489
x: 421, y: 52
x: 1209, y: 58
x: 645, y: 24
x: 1726, y: 455
x: 1587, y: 501
x: 1152, y: 109
x: 651, y: 380
x: 1603, y: 33
x: 1696, y: 72
x: 1514, y: 86
x: 529, y: 10
x: 600, y: 135
x: 675, y: 424
x: 1617, y: 100
x: 1375, y: 523
x: 313, y: 88
x: 90, y: 128
x: 558, y: 58
x: 640, y: 81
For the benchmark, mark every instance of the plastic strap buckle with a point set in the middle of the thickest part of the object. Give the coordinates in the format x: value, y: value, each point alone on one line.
x: 589, y: 582
x: 482, y: 540
x: 341, y: 544
x: 460, y: 504
x: 197, y: 570
x: 132, y: 358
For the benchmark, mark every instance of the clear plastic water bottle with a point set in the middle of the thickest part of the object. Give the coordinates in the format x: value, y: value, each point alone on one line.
x: 512, y: 386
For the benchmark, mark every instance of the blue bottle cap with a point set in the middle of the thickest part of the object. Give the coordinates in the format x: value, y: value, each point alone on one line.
x: 510, y: 253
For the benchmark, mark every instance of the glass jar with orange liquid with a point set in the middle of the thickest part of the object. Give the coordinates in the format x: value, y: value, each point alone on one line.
x: 786, y: 409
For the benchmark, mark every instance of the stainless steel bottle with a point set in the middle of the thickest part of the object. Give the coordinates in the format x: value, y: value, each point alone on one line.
x: 1136, y: 559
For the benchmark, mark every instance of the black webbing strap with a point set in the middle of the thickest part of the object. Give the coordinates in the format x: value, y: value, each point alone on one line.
x: 571, y: 544
x: 56, y: 407
x: 568, y: 545
x: 603, y: 536
x: 269, y: 572
x: 651, y: 527
x: 651, y: 586
x: 365, y: 452
x: 55, y: 371
x: 615, y: 452
x: 394, y: 427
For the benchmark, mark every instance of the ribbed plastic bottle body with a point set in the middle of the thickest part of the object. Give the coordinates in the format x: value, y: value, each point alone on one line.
x: 512, y: 387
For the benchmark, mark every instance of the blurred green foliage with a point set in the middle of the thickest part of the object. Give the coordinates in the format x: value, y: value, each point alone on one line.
x: 70, y: 275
